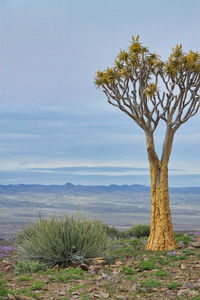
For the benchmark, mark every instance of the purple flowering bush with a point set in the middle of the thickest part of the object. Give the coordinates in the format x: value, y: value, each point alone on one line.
x: 6, y: 251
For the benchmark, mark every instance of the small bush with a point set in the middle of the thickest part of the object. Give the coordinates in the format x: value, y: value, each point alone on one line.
x: 3, y: 289
x: 69, y: 274
x: 138, y: 230
x: 24, y: 278
x: 37, y: 285
x: 128, y: 270
x: 174, y: 285
x: 26, y: 292
x: 29, y: 267
x: 146, y: 265
x: 161, y: 273
x: 62, y: 240
x: 113, y: 232
x: 149, y: 284
x: 185, y: 239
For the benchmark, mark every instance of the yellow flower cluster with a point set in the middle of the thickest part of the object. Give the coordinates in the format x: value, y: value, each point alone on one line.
x: 137, y: 58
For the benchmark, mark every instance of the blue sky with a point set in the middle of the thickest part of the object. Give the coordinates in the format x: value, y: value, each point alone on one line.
x: 55, y: 126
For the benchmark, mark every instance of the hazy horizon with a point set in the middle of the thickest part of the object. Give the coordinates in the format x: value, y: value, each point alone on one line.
x: 93, y: 176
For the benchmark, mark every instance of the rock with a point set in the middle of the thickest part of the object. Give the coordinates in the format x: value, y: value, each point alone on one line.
x: 96, y: 295
x: 196, y: 244
x: 105, y: 295
x: 197, y: 266
x: 97, y: 261
x: 91, y: 289
x: 8, y: 268
x: 183, y: 267
x: 62, y: 293
x: 56, y: 267
x: 75, y: 264
x: 84, y: 267
x: 194, y: 293
x: 183, y: 292
x: 24, y: 298
x: 133, y: 288
x: 11, y: 297
x: 6, y: 262
x: 190, y: 248
x: 118, y: 263
x: 129, y: 263
x: 6, y: 265
x: 74, y: 293
x: 95, y: 269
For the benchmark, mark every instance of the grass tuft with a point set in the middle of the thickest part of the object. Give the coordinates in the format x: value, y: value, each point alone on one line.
x: 62, y: 240
x: 138, y: 230
x: 29, y: 267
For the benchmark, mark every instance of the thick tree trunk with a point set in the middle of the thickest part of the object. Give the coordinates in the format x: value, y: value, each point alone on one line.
x: 161, y: 234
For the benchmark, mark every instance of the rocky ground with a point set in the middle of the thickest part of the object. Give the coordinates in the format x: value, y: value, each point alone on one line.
x: 125, y: 271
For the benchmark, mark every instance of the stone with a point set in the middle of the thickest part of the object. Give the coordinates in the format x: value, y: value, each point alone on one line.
x: 133, y: 288
x: 194, y: 293
x: 95, y: 269
x: 11, y: 297
x: 62, y: 293
x: 129, y: 263
x: 118, y: 263
x: 6, y: 265
x: 183, y: 267
x: 75, y: 293
x: 96, y: 295
x: 84, y: 267
x: 56, y: 267
x: 97, y: 261
x: 105, y: 295
x: 196, y: 244
x: 24, y: 298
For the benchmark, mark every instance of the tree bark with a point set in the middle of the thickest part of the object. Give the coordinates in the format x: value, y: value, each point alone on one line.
x: 161, y: 234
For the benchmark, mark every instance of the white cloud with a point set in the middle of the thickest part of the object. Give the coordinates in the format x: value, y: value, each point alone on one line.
x: 36, y: 163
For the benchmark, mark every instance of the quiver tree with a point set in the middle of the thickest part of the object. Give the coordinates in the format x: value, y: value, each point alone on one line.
x: 149, y: 90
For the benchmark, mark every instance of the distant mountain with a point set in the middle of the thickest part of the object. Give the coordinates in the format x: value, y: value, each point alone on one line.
x: 70, y: 188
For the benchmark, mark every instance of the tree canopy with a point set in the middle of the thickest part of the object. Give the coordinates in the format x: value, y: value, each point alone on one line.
x: 149, y: 89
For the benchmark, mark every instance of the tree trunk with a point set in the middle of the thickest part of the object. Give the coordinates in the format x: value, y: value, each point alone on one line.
x: 161, y: 234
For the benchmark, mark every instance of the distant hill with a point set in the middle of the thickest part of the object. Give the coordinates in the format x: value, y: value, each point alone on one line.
x: 72, y: 188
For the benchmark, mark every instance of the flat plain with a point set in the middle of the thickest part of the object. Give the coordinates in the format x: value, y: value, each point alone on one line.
x: 120, y: 206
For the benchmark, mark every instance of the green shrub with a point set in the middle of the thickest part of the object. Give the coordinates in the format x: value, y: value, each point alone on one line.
x: 161, y: 273
x: 29, y: 267
x: 138, y: 230
x: 113, y: 232
x: 37, y: 285
x: 128, y: 270
x: 174, y: 285
x: 69, y: 274
x: 26, y: 292
x: 3, y: 289
x: 62, y: 240
x: 146, y: 265
x: 149, y: 284
x: 185, y: 239
x: 25, y: 278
